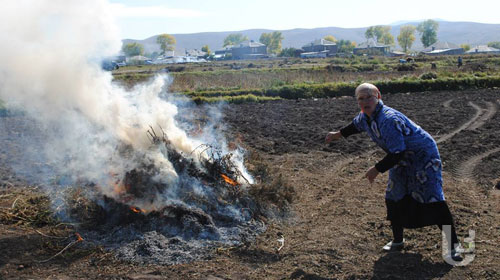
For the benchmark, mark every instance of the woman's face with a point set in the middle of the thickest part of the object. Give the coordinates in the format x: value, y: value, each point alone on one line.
x: 367, y: 102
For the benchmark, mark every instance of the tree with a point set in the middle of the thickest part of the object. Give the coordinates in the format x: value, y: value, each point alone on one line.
x: 406, y: 37
x: 132, y: 49
x: 466, y: 47
x: 345, y: 46
x: 428, y: 31
x: 272, y: 41
x: 330, y: 38
x: 289, y: 52
x: 495, y: 45
x: 167, y: 42
x: 206, y: 49
x: 381, y: 34
x: 234, y: 39
x: 388, y: 39
x: 276, y: 42
x: 266, y: 38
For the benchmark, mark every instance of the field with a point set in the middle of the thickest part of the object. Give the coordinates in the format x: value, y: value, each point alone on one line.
x: 220, y: 76
x: 336, y: 224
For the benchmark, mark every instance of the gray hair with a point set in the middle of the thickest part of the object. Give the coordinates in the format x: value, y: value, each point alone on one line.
x: 368, y: 88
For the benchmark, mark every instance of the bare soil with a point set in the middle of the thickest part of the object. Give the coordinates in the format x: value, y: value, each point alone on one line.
x: 337, y: 226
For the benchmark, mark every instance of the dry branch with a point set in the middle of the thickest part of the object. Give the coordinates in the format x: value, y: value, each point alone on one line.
x: 14, y: 203
x: 63, y: 250
x: 48, y: 236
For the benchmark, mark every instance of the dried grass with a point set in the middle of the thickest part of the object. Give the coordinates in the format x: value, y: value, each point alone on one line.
x: 30, y: 209
x: 272, y: 193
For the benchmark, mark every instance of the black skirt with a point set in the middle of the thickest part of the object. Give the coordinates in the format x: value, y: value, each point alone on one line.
x: 410, y: 213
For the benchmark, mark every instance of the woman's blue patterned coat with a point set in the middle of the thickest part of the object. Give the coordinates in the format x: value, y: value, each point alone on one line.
x: 419, y: 172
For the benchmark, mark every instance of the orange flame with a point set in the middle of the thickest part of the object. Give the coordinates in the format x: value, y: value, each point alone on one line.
x: 229, y: 180
x: 137, y: 210
x: 78, y: 236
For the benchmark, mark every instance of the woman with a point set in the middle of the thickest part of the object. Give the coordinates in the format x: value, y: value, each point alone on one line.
x: 414, y: 194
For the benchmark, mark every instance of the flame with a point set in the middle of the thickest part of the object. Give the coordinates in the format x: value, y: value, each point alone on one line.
x: 137, y: 210
x: 78, y: 236
x: 229, y: 180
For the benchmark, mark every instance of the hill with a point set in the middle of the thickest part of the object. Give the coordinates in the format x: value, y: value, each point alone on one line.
x: 456, y: 32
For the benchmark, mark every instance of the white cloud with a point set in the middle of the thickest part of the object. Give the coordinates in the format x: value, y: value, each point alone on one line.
x: 120, y: 10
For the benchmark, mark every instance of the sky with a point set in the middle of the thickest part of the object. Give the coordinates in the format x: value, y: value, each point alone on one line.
x: 140, y: 19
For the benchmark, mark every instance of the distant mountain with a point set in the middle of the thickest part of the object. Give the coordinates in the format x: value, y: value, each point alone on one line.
x: 455, y: 32
x: 404, y: 22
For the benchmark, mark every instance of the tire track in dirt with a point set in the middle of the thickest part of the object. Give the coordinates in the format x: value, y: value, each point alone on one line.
x: 463, y: 126
x: 473, y: 122
x: 489, y: 112
x: 478, y: 120
x: 466, y: 169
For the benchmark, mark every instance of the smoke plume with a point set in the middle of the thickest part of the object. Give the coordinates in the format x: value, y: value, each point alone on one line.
x: 50, y: 70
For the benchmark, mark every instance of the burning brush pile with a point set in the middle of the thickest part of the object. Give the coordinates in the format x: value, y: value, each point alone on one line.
x: 169, y: 194
x: 212, y: 203
x: 162, y: 195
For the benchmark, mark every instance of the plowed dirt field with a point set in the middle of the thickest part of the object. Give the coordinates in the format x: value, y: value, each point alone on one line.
x: 337, y: 227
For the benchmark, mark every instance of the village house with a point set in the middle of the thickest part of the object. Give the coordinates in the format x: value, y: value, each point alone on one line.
x: 371, y: 47
x: 196, y: 53
x: 319, y: 48
x: 222, y: 53
x: 138, y: 60
x: 396, y: 54
x: 443, y: 48
x: 249, y: 50
x: 483, y: 49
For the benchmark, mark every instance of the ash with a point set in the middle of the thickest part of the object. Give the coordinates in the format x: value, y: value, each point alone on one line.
x: 180, y: 232
x: 159, y: 244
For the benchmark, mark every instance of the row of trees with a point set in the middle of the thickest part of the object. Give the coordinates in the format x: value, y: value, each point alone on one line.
x: 380, y: 33
x: 427, y: 29
x: 272, y: 40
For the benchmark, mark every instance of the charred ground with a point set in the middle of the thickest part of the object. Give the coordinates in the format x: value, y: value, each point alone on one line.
x: 337, y: 225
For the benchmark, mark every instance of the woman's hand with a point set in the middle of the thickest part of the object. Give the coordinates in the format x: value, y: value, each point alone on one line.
x: 371, y: 174
x: 334, y: 135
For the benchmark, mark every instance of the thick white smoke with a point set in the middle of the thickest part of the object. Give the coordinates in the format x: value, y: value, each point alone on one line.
x: 50, y: 68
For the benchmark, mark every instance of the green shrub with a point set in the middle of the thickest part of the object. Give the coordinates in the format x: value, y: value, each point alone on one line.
x: 364, y: 67
x: 428, y: 76
x: 277, y: 83
x: 406, y: 67
x: 233, y: 99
